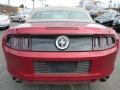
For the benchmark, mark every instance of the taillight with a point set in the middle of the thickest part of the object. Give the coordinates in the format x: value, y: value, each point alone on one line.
x: 18, y: 42
x: 24, y: 42
x: 103, y: 42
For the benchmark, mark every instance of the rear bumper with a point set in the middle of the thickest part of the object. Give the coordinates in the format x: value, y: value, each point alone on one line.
x: 6, y: 25
x: 20, y: 65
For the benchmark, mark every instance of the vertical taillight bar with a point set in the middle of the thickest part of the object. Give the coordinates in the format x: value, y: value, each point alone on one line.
x: 26, y: 44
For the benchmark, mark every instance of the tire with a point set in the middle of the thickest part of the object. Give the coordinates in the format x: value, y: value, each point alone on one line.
x: 20, y: 20
x: 12, y: 20
x: 7, y: 27
x: 4, y: 28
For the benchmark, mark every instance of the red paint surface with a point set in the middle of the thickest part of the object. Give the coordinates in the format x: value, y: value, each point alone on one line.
x: 19, y: 63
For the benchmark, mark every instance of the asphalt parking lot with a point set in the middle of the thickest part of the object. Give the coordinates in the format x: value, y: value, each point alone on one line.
x: 6, y: 82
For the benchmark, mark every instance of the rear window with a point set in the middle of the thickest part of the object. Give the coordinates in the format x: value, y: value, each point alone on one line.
x: 61, y: 15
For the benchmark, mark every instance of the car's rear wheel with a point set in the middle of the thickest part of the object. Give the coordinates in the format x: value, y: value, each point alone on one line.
x: 20, y: 20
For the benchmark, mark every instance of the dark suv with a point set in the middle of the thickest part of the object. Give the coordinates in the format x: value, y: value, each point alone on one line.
x: 107, y: 18
x: 116, y: 24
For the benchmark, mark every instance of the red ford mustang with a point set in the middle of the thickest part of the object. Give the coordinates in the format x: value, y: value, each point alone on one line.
x: 60, y: 45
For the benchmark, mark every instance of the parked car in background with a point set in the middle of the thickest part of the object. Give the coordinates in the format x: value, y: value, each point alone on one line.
x: 107, y: 18
x: 4, y: 21
x: 20, y: 17
x: 59, y: 45
x: 116, y: 24
x: 12, y: 16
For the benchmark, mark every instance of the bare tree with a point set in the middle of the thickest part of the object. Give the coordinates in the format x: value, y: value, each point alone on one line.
x: 22, y: 6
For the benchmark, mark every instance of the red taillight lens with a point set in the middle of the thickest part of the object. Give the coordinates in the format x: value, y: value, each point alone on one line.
x: 103, y: 42
x: 18, y: 42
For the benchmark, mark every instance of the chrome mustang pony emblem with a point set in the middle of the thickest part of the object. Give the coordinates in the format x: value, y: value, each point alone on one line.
x: 62, y: 42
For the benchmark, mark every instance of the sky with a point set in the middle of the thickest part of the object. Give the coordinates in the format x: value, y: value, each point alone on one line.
x: 28, y: 3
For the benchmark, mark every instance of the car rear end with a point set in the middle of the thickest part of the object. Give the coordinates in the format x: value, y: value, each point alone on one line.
x: 4, y: 21
x: 35, y: 57
x: 60, y: 52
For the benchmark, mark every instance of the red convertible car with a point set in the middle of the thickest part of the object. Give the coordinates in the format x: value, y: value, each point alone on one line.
x: 60, y: 45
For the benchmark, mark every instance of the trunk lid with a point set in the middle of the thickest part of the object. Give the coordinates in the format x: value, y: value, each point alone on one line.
x: 61, y: 28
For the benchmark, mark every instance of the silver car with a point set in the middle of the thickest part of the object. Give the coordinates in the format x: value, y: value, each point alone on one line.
x: 21, y: 17
x: 4, y: 21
